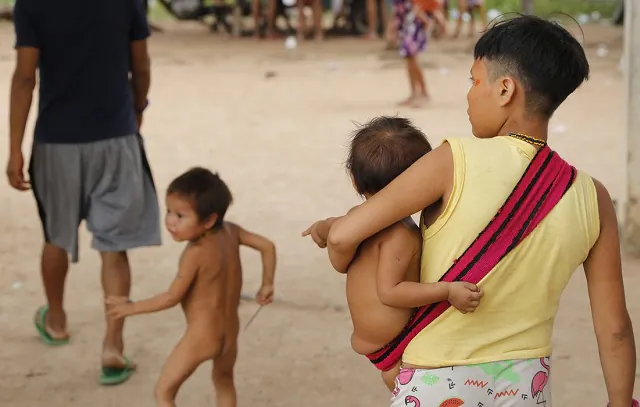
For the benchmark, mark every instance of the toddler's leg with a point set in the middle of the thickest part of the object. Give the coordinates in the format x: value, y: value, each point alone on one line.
x: 389, y: 377
x: 412, y: 82
x: 441, y: 26
x: 182, y: 362
x: 420, y: 94
x: 223, y: 375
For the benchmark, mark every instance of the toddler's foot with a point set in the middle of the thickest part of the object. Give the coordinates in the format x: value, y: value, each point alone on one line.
x: 408, y: 101
x: 421, y: 100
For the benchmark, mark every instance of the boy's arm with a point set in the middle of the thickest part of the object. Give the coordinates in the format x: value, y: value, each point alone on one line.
x: 319, y: 231
x: 324, y: 227
x: 421, y: 185
x: 611, y: 320
x: 186, y: 274
x: 266, y: 248
x: 395, y: 256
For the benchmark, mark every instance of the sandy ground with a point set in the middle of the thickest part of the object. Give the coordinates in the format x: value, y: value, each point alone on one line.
x: 279, y: 143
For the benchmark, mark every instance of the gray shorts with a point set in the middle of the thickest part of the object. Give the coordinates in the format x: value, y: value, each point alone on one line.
x: 108, y: 183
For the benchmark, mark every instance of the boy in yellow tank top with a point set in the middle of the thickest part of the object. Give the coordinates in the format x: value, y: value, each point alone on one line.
x: 524, y: 68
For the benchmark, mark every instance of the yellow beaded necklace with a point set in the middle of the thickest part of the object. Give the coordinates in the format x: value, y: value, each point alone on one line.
x: 531, y: 140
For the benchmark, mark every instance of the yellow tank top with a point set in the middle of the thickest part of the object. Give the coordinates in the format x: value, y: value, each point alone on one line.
x: 521, y: 294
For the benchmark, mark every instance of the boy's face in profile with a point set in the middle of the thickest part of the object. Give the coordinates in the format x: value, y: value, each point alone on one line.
x: 181, y: 219
x: 487, y: 101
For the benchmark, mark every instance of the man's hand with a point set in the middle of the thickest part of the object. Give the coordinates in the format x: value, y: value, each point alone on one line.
x: 15, y: 172
x: 265, y: 295
x: 464, y: 296
x: 312, y: 231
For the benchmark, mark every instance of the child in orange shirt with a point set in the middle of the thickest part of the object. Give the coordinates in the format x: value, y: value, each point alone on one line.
x: 425, y: 9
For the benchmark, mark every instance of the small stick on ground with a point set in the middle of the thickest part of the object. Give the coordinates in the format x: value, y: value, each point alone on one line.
x: 255, y: 314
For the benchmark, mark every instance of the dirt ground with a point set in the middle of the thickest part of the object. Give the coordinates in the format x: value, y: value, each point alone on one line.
x: 279, y: 143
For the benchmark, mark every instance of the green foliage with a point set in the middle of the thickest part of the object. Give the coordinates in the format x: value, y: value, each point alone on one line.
x: 546, y: 7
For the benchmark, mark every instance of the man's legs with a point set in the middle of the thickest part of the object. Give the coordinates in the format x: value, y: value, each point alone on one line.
x: 54, y: 266
x: 116, y: 171
x: 55, y: 172
x: 116, y: 281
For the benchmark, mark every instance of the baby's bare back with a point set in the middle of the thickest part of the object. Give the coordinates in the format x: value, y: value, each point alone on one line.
x: 211, y: 304
x: 376, y: 324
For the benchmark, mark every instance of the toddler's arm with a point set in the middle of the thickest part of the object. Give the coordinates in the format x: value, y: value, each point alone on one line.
x: 121, y: 307
x: 394, y: 291
x: 267, y: 250
x: 608, y: 307
x: 421, y: 185
x: 319, y: 231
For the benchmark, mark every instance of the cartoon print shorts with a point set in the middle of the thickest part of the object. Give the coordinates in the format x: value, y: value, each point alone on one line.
x: 511, y: 383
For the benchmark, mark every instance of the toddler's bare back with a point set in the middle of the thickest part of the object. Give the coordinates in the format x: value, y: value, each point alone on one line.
x: 376, y: 324
x: 211, y: 304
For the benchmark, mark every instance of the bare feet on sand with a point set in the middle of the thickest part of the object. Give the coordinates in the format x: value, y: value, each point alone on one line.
x: 415, y: 101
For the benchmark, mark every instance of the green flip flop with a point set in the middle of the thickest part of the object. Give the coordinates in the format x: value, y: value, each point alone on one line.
x: 116, y: 375
x: 42, y: 330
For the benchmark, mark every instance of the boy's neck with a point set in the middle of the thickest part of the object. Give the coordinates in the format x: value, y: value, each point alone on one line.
x: 532, y: 127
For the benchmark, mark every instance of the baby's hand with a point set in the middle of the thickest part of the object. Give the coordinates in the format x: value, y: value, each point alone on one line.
x: 464, y: 296
x: 265, y: 295
x: 118, y: 307
x: 313, y: 231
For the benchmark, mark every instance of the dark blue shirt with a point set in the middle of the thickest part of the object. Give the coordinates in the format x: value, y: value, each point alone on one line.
x: 85, y: 93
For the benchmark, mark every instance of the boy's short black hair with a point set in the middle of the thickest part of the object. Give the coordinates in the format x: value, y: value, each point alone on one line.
x: 543, y: 56
x: 381, y: 150
x: 208, y: 192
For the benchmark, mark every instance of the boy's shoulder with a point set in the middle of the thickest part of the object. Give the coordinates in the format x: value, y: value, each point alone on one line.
x: 232, y: 231
x: 230, y: 227
x: 191, y: 254
x: 406, y: 230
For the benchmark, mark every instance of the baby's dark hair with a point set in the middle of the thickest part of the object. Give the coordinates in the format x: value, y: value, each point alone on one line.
x: 381, y: 150
x: 543, y: 56
x: 208, y: 192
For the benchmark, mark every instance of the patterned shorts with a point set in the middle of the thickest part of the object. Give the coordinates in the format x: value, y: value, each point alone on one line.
x: 511, y: 383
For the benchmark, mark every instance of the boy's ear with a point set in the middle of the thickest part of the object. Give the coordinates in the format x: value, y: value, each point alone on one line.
x: 211, y: 221
x: 507, y: 88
